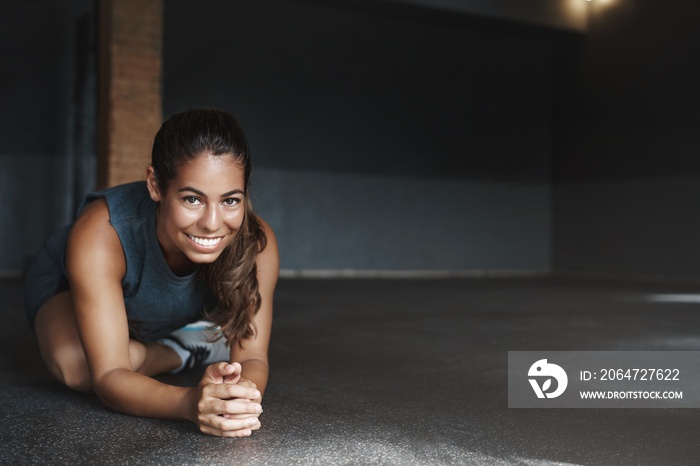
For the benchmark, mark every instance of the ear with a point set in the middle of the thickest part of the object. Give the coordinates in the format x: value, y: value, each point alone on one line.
x: 152, y: 184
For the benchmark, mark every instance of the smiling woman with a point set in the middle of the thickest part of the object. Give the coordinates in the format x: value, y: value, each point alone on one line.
x: 108, y: 296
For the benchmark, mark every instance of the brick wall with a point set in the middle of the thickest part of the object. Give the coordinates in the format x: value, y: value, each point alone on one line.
x: 130, y: 110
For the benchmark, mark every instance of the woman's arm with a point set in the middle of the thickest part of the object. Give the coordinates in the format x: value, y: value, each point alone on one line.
x: 96, y: 264
x: 253, y: 355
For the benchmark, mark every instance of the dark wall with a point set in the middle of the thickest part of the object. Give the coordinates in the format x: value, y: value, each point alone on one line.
x: 382, y: 132
x: 38, y: 43
x: 407, y: 115
x: 34, y: 78
x: 374, y: 125
x: 356, y: 89
x: 626, y: 166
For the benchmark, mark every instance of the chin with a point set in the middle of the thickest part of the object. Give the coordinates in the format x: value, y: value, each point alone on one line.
x: 199, y: 258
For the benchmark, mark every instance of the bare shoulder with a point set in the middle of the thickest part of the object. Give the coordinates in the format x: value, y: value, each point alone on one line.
x: 94, y: 244
x: 268, y: 259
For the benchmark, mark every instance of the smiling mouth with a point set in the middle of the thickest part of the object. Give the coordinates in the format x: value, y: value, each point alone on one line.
x: 206, y: 242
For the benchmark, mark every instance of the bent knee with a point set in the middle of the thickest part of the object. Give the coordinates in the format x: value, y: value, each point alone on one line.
x: 69, y: 365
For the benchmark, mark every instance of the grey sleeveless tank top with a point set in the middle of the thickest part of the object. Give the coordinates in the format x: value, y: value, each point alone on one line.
x: 157, y: 301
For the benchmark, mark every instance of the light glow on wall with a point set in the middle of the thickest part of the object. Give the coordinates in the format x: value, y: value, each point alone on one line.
x: 577, y: 10
x: 586, y: 10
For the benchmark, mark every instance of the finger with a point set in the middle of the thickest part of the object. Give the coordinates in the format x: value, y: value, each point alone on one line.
x: 239, y: 407
x: 227, y: 391
x: 254, y: 411
x: 236, y: 407
x: 216, y: 373
x: 233, y: 416
x: 223, y: 433
x: 217, y: 425
x: 235, y: 374
x: 247, y: 382
x: 234, y: 378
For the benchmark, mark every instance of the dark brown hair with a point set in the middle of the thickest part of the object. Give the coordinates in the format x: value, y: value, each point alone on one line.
x: 232, y: 277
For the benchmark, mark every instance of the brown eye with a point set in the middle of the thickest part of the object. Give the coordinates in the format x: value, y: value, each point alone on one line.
x: 231, y: 201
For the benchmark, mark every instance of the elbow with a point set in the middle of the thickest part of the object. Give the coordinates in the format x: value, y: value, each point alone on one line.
x: 78, y: 381
x: 103, y: 394
x: 103, y: 387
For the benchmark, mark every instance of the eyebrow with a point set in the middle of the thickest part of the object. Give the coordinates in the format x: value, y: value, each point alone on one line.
x: 200, y: 193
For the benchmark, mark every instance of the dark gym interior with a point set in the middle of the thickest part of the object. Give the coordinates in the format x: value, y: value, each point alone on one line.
x: 448, y: 181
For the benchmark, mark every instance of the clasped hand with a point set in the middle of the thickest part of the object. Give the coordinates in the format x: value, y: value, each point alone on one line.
x: 225, y: 404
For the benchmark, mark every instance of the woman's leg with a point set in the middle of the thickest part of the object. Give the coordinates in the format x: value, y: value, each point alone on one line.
x: 62, y: 350
x: 60, y: 344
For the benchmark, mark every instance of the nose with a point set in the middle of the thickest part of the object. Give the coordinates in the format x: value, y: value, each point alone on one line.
x: 211, y: 218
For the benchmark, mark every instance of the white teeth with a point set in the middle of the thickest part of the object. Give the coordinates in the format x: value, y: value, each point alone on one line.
x: 205, y: 241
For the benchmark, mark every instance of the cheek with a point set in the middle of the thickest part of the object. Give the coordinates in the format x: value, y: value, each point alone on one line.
x: 182, y: 218
x: 235, y: 220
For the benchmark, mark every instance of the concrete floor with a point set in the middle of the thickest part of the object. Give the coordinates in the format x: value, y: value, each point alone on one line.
x: 384, y: 372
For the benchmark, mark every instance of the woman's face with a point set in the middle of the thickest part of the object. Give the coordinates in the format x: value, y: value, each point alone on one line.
x: 201, y: 212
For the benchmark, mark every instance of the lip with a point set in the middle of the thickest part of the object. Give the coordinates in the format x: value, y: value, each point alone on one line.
x: 205, y: 248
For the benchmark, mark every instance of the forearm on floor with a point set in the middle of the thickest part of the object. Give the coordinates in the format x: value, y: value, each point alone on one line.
x: 132, y: 393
